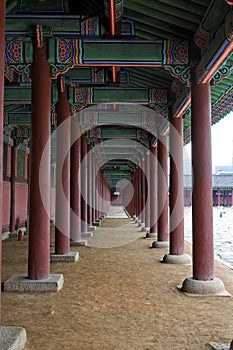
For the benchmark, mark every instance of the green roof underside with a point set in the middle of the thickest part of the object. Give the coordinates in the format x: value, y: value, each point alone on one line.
x: 148, y: 20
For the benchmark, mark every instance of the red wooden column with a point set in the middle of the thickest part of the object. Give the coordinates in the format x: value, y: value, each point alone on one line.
x: 153, y: 194
x: 103, y: 207
x: 125, y: 196
x: 2, y: 45
x: 39, y: 278
x: 101, y: 196
x: 128, y: 198
x: 105, y: 200
x: 22, y: 334
x: 96, y: 192
x: 75, y: 196
x: 139, y: 195
x: 133, y: 201
x: 143, y: 193
x: 176, y: 253
x: 88, y: 199
x: 93, y: 189
x: 90, y: 169
x: 84, y: 186
x: 39, y: 221
x: 135, y: 196
x: 13, y: 174
x: 163, y: 237
x: 203, y: 280
x: 132, y: 208
x: 62, y: 217
x: 147, y: 192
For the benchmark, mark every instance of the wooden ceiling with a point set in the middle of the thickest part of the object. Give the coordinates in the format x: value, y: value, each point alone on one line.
x: 196, y: 24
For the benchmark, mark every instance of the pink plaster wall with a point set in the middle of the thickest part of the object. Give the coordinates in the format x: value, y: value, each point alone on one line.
x: 21, y: 198
x: 6, y: 204
x: 21, y: 202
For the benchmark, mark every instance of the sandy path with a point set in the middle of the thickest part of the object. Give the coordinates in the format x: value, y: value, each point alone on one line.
x: 116, y: 298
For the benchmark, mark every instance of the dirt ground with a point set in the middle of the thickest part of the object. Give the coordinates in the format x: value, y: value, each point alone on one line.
x: 120, y: 298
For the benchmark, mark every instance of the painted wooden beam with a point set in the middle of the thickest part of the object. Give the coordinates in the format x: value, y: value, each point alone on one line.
x: 84, y: 96
x: 72, y: 25
x: 20, y: 23
x: 66, y: 53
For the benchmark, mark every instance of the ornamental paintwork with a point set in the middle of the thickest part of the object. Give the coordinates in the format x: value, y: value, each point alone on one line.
x: 202, y: 39
x: 180, y: 72
x: 158, y: 96
x: 83, y: 95
x: 229, y: 27
x: 89, y: 26
x: 118, y: 9
x: 9, y: 74
x: 67, y: 51
x: 223, y: 72
x: 175, y: 53
x: 14, y: 52
x: 222, y: 106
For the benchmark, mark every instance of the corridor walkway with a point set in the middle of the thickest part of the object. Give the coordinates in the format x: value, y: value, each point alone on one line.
x: 116, y: 212
x: 120, y: 298
x: 116, y: 230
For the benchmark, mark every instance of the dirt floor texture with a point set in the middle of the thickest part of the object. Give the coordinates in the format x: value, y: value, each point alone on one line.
x: 120, y: 298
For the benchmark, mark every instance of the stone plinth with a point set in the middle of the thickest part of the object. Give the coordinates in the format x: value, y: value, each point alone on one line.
x: 145, y: 229
x: 194, y: 287
x: 70, y: 257
x: 216, y: 346
x: 141, y: 224
x: 184, y: 259
x: 21, y: 283
x: 86, y: 234
x: 96, y: 223
x: 151, y: 235
x: 5, y: 235
x: 160, y: 244
x: 12, y: 338
x: 82, y: 242
x: 91, y: 228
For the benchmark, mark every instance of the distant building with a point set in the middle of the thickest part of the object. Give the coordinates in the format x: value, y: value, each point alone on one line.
x: 223, y: 169
x: 222, y: 189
